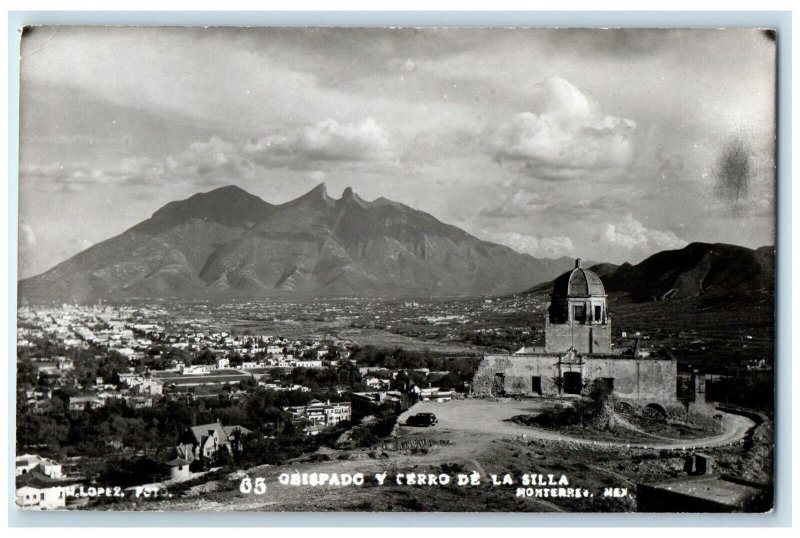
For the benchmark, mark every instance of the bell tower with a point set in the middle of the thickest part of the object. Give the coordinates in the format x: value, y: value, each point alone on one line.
x: 578, y: 315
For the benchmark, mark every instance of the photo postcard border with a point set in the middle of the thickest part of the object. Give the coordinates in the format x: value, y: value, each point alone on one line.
x: 779, y: 20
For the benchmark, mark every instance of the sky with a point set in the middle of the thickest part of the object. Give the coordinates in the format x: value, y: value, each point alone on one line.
x: 608, y: 145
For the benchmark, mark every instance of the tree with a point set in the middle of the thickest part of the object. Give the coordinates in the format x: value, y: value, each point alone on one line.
x: 347, y: 374
x: 593, y: 405
x: 517, y: 385
x: 450, y: 381
x: 558, y: 383
x: 205, y: 357
x: 26, y: 373
x: 126, y: 473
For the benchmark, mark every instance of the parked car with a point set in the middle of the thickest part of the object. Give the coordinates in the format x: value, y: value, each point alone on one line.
x: 422, y: 419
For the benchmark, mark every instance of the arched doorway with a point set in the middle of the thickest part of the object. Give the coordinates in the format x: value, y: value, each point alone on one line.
x: 654, y: 411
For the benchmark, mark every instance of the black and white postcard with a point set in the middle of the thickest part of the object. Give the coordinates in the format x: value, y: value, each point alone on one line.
x: 396, y: 269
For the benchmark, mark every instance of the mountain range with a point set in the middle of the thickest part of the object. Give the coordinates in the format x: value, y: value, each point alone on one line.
x: 705, y: 270
x: 228, y: 243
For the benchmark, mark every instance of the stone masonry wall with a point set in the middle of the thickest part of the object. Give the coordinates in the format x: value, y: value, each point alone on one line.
x: 560, y: 337
x: 642, y: 381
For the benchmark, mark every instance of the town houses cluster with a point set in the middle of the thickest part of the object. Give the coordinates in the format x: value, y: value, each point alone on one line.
x: 179, y: 359
x: 125, y: 331
x: 159, y: 355
x: 73, y: 359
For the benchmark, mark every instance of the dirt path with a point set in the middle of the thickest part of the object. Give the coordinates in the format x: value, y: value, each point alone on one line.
x: 491, y: 417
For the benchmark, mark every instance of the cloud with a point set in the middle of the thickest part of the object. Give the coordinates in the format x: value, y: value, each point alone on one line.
x: 325, y: 140
x: 210, y: 161
x: 318, y: 176
x: 83, y: 244
x: 554, y: 205
x: 519, y: 205
x: 632, y: 236
x: 539, y: 247
x: 565, y: 136
x: 27, y: 234
x: 215, y: 160
x: 76, y: 177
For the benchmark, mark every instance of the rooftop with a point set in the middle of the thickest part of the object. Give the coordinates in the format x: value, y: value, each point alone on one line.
x: 35, y: 479
x: 719, y: 489
x: 578, y: 282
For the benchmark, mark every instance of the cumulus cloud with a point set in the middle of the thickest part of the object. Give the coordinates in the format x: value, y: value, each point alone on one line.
x: 210, y: 161
x: 539, y: 247
x: 325, y: 140
x: 216, y: 159
x: 565, y: 135
x: 632, y: 236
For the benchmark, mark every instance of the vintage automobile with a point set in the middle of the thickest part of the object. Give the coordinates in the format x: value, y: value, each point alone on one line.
x: 422, y: 419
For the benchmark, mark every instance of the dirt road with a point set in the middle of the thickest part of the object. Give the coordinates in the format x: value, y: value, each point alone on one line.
x: 491, y: 417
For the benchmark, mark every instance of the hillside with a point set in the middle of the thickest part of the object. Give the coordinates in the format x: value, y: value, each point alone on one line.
x: 698, y: 270
x: 228, y: 243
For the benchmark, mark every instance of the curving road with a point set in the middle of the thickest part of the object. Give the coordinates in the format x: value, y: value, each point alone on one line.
x: 491, y: 417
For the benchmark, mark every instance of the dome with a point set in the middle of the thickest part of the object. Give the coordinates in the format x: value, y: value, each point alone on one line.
x: 579, y: 282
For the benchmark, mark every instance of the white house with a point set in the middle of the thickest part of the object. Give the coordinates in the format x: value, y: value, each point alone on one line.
x: 321, y: 415
x: 28, y: 462
x: 40, y: 497
x: 376, y: 382
x: 309, y: 363
x: 434, y: 395
x: 198, y: 369
x: 36, y: 490
x: 78, y: 403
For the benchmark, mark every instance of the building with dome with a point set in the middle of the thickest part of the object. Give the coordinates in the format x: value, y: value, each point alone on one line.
x: 577, y: 352
x: 578, y: 315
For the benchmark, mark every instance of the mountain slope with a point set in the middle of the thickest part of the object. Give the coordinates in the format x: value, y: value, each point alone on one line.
x: 228, y: 243
x: 161, y: 255
x: 699, y: 269
x: 349, y: 246
x: 600, y: 269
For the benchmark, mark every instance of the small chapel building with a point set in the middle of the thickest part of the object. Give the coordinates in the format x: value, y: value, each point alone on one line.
x: 577, y: 352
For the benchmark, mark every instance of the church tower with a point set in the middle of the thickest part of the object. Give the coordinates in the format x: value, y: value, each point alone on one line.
x: 578, y: 316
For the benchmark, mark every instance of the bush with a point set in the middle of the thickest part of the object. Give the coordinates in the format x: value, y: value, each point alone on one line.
x: 126, y: 473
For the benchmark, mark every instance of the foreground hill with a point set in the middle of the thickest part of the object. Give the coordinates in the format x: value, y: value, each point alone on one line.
x: 228, y: 243
x: 697, y: 270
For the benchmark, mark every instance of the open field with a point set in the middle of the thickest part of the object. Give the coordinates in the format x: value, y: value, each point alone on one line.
x: 218, y: 377
x: 339, y: 329
x: 384, y: 339
x: 695, y: 319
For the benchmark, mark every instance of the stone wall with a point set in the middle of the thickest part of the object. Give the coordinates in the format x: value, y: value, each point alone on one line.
x: 639, y: 381
x: 583, y: 338
x: 517, y: 374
